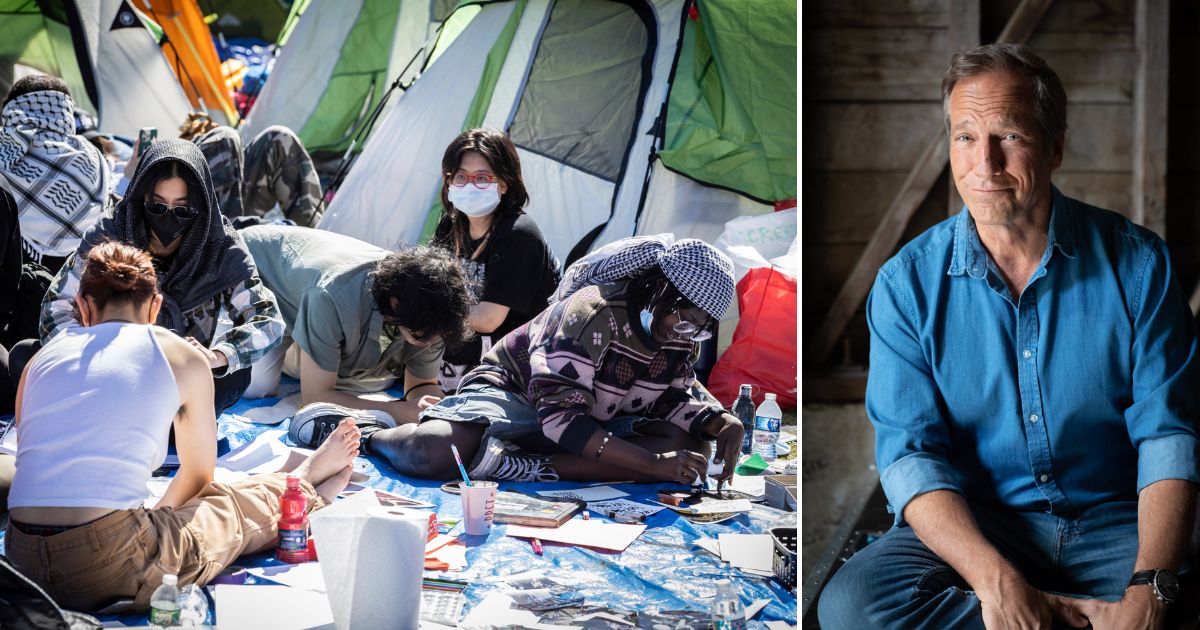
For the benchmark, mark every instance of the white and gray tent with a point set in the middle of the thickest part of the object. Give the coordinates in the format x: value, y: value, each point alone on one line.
x: 108, y: 53
x: 338, y: 62
x: 581, y: 87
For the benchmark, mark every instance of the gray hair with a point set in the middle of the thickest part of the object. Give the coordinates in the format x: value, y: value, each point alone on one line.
x: 1050, y: 99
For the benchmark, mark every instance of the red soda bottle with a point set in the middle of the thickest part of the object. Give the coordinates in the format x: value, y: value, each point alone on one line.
x: 293, y: 524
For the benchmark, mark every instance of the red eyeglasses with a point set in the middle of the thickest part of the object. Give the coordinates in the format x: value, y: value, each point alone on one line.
x: 479, y: 180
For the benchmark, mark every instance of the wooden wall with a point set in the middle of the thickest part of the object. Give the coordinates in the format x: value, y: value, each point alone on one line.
x: 871, y: 100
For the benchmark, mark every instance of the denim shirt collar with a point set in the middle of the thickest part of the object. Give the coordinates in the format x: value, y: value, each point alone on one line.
x: 971, y: 258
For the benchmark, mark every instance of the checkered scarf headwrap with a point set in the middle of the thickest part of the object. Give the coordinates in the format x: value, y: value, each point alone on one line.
x: 59, y: 180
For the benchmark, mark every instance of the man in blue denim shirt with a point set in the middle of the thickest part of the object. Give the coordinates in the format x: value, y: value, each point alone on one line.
x: 1033, y: 387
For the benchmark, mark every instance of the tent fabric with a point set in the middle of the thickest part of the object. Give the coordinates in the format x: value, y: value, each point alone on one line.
x: 567, y: 202
x: 689, y: 209
x: 387, y: 194
x: 41, y: 41
x: 191, y: 53
x: 731, y: 117
x: 579, y: 104
x: 341, y: 58
x: 112, y: 64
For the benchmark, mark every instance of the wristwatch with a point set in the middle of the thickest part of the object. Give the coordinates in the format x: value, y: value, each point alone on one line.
x: 1164, y: 583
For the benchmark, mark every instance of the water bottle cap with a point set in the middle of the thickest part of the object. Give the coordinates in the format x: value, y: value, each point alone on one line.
x: 293, y: 481
x: 770, y: 396
x: 170, y: 579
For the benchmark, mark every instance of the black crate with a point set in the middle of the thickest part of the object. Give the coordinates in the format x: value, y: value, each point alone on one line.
x: 784, y: 562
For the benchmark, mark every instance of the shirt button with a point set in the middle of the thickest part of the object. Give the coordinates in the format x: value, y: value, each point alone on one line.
x: 1044, y: 478
x: 1033, y: 417
x: 1027, y: 354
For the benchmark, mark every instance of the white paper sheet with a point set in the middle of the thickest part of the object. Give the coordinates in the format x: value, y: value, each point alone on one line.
x: 753, y: 485
x: 306, y: 575
x: 496, y: 611
x: 265, y: 454
x: 747, y: 551
x: 274, y: 414
x: 710, y: 545
x: 256, y: 607
x: 589, y: 533
x: 779, y: 625
x: 755, y: 607
x: 588, y: 494
x: 714, y: 506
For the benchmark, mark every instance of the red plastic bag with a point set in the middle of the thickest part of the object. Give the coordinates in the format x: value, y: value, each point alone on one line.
x: 763, y: 352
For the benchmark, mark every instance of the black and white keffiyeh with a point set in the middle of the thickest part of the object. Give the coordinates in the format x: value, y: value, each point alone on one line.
x: 701, y: 273
x: 618, y: 260
x: 59, y: 180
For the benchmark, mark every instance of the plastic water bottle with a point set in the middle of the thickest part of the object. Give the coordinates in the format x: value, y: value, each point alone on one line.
x: 743, y: 409
x: 727, y: 610
x: 766, y: 427
x: 193, y: 606
x: 293, y: 524
x: 164, y: 603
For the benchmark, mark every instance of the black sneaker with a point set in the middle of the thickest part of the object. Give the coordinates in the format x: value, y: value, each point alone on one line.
x: 504, y: 462
x: 312, y: 424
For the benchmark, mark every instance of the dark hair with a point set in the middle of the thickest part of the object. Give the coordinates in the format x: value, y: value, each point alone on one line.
x: 651, y: 288
x: 36, y: 83
x: 501, y: 155
x: 1050, y: 99
x: 116, y: 272
x: 425, y: 290
x: 164, y: 170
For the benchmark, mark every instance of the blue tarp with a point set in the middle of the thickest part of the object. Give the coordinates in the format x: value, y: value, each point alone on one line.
x: 661, y: 571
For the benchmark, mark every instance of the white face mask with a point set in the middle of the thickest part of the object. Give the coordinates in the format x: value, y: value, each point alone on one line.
x: 474, y: 202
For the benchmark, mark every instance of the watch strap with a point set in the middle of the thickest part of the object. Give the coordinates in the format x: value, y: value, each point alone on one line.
x: 1143, y: 577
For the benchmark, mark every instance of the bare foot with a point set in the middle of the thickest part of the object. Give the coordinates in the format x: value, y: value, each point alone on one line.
x: 334, y: 454
x: 333, y: 486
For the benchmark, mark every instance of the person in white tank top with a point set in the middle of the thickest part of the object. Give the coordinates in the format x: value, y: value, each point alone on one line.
x: 93, y: 411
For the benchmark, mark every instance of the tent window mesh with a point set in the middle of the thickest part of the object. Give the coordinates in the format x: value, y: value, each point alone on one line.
x: 579, y: 104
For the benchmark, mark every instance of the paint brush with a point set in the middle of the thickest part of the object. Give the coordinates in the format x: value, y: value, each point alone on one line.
x: 461, y: 468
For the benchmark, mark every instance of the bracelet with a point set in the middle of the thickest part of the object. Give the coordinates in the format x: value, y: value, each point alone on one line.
x: 603, y: 444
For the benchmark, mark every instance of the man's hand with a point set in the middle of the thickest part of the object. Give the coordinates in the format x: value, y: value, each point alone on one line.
x: 729, y: 433
x: 680, y: 466
x: 428, y: 401
x: 1013, y: 604
x: 1139, y: 609
x: 215, y: 359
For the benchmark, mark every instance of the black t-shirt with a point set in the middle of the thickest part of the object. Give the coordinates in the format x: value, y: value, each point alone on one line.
x: 515, y: 269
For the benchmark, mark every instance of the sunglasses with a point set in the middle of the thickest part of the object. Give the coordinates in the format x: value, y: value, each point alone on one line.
x: 158, y: 209
x: 689, y: 330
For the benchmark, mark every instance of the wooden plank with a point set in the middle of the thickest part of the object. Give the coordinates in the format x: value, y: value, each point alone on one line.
x: 965, y: 18
x: 875, y: 64
x: 1092, y: 16
x: 1150, y: 116
x: 834, y: 387
x: 872, y: 137
x: 1094, y: 67
x: 1110, y: 191
x: 924, y: 174
x: 891, y: 13
x: 1099, y: 137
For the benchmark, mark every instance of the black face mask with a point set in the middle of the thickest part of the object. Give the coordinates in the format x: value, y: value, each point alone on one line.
x: 168, y: 225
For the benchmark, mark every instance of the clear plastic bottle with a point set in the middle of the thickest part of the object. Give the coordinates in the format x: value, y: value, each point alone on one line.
x: 164, y: 603
x: 193, y: 606
x: 743, y: 409
x: 293, y: 524
x: 727, y: 610
x: 766, y: 427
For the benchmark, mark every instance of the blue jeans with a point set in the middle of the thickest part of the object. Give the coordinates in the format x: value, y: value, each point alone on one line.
x: 897, y: 582
x: 508, y: 418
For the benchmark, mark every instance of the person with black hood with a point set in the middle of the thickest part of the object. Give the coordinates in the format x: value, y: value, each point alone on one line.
x: 205, y: 272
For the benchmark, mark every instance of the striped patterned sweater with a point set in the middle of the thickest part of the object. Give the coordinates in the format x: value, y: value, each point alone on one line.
x: 586, y: 360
